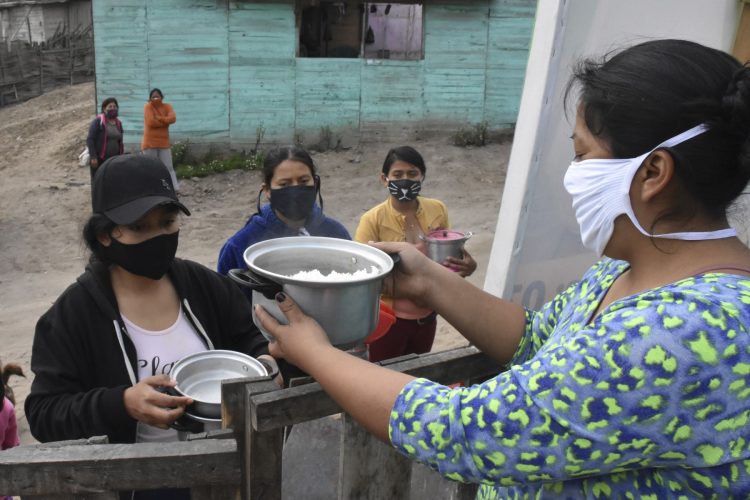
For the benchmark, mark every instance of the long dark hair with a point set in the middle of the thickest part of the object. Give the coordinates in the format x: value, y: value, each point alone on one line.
x: 97, y: 225
x: 635, y: 99
x: 406, y: 154
x: 275, y: 157
x: 106, y: 102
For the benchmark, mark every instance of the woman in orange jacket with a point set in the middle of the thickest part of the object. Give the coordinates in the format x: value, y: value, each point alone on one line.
x: 157, y: 117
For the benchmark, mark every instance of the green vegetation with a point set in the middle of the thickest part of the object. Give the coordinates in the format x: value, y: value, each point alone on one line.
x: 212, y: 162
x: 212, y: 165
x: 473, y: 135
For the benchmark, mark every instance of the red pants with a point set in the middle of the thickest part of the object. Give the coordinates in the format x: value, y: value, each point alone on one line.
x: 406, y: 336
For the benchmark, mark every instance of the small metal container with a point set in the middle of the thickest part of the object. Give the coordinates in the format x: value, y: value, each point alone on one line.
x: 444, y: 243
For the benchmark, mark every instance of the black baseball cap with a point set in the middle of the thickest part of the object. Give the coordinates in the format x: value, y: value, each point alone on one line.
x: 126, y: 187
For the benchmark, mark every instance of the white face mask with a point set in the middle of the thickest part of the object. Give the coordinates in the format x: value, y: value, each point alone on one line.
x: 601, y: 192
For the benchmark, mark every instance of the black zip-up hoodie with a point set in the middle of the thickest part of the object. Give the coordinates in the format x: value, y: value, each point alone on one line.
x: 83, y: 359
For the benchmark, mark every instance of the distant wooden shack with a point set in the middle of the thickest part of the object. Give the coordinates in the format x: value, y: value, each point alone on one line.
x: 294, y: 67
x: 36, y: 21
x: 43, y: 44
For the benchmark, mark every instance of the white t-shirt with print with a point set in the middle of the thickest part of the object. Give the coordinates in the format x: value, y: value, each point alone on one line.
x: 157, y: 352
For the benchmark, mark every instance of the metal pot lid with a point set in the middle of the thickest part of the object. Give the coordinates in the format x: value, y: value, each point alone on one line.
x: 447, y: 235
x: 281, y: 258
x: 199, y: 375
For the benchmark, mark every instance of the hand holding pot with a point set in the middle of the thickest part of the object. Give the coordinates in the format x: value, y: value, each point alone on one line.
x: 146, y: 404
x: 410, y: 278
x: 297, y: 341
x: 464, y: 267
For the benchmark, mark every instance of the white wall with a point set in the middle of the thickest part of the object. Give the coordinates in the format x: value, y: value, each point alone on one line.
x: 537, y: 250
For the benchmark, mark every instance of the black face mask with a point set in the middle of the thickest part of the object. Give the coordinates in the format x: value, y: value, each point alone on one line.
x: 405, y: 189
x: 294, y: 202
x: 150, y: 258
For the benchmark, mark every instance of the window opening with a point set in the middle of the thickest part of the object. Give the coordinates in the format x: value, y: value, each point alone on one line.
x: 370, y: 30
x: 394, y: 31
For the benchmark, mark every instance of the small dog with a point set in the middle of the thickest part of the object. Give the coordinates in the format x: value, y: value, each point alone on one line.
x: 5, y: 373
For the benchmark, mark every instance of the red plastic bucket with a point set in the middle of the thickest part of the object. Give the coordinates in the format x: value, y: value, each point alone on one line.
x: 386, y: 319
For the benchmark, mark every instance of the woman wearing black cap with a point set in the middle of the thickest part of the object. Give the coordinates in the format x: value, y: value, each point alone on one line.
x: 108, y: 343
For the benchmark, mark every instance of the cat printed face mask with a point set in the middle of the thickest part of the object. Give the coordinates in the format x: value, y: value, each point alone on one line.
x: 404, y: 189
x: 600, y: 189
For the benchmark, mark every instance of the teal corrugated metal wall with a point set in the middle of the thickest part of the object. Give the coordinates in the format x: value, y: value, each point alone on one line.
x: 229, y: 68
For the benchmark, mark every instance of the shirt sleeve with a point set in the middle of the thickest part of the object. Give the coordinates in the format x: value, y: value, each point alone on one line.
x: 600, y: 399
x: 63, y: 402
x: 540, y: 325
x: 11, y: 438
x: 367, y: 229
x: 150, y: 118
x: 169, y: 117
x: 230, y: 257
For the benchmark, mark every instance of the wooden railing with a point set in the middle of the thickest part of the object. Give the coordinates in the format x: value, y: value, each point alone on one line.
x: 245, y: 459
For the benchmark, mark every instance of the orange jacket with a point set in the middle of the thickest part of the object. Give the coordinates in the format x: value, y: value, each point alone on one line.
x: 156, y: 122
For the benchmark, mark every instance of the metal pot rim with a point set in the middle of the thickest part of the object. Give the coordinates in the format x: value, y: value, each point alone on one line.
x: 462, y: 238
x: 381, y: 260
x: 210, y: 354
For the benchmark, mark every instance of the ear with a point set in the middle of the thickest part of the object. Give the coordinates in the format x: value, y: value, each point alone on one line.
x: 104, y: 239
x: 655, y: 175
x: 383, y: 179
x: 266, y: 190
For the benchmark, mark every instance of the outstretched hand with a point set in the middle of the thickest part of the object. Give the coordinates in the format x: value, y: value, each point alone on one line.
x: 145, y: 403
x: 296, y: 342
x: 410, y: 278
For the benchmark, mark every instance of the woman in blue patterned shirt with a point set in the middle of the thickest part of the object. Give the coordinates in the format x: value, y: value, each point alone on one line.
x: 634, y: 382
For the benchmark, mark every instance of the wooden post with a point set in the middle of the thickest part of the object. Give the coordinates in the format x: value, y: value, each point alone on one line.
x: 260, y: 452
x: 41, y: 71
x: 369, y: 468
x: 2, y: 64
x: 70, y: 59
x: 110, y: 495
x: 741, y: 49
x: 466, y: 491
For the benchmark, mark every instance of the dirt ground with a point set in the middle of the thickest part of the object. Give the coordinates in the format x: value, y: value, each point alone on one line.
x: 45, y: 199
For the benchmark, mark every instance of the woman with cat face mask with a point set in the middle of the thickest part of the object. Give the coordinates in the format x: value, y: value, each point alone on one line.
x: 407, y: 216
x: 290, y: 185
x: 107, y: 345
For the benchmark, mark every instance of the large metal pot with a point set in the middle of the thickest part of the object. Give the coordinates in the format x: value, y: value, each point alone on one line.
x: 444, y: 243
x: 346, y: 307
x: 199, y: 376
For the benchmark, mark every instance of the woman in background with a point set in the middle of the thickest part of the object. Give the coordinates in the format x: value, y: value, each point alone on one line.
x: 157, y: 117
x: 104, y: 139
x: 290, y: 185
x: 407, y: 216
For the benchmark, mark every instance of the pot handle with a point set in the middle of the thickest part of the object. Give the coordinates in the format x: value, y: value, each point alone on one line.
x: 186, y: 424
x: 183, y: 423
x: 246, y: 277
x: 468, y: 234
x: 395, y: 257
x: 273, y: 372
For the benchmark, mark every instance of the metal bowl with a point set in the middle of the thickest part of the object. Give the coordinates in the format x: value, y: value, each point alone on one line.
x: 199, y: 377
